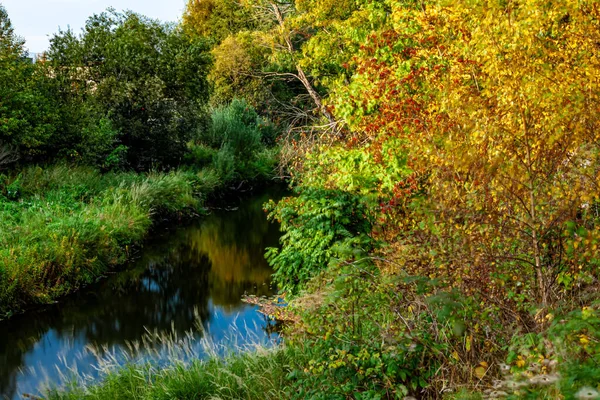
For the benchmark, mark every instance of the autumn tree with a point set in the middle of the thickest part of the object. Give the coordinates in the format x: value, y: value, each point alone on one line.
x: 218, y: 19
x: 496, y: 108
x: 520, y: 160
x: 263, y: 28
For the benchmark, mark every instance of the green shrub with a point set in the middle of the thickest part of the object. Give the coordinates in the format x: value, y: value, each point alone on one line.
x: 225, y: 164
x: 237, y: 145
x: 199, y: 155
x: 234, y: 126
x: 371, y: 336
x: 315, y: 223
x: 264, y: 166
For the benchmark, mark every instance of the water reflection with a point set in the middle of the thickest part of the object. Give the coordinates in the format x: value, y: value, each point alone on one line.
x: 196, y: 271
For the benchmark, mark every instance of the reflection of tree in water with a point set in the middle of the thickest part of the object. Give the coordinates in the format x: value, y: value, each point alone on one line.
x: 221, y: 258
x: 235, y: 244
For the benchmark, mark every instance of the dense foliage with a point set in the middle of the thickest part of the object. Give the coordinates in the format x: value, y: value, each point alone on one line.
x: 443, y: 237
x: 135, y: 89
x: 63, y: 227
x: 470, y: 138
x: 28, y: 115
x: 128, y: 92
x: 101, y: 112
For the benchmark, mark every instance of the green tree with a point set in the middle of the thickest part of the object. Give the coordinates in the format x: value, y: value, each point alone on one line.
x: 145, y: 79
x: 27, y: 114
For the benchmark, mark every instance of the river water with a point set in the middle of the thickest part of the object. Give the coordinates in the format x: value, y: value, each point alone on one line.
x: 186, y: 283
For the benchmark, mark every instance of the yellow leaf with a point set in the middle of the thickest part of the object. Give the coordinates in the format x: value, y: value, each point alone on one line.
x: 455, y: 355
x: 583, y: 339
x: 480, y: 372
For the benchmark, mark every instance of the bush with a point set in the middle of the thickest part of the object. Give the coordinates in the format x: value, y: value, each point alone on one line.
x: 371, y: 336
x: 563, y: 361
x: 238, y: 144
x: 199, y: 155
x: 225, y: 164
x: 318, y: 225
x: 234, y: 126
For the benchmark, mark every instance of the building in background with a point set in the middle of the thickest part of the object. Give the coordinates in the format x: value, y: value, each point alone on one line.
x: 35, y: 57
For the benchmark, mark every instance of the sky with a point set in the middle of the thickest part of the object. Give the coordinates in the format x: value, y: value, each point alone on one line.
x: 36, y: 20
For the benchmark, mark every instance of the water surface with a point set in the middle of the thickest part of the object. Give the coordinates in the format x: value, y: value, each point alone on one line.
x: 190, y: 277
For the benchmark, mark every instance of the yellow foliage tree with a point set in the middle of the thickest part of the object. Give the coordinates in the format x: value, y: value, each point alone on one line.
x: 517, y: 170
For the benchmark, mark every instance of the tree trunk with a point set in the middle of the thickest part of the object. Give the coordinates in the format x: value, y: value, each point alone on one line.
x: 539, y: 271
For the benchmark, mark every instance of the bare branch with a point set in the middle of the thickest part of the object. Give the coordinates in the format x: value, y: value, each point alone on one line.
x: 8, y: 155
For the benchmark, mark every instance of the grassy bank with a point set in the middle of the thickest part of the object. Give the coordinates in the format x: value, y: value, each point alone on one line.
x: 260, y: 375
x: 63, y: 227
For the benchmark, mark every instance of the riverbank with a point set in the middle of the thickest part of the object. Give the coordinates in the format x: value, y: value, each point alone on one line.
x: 64, y: 227
x: 263, y: 374
x: 186, y: 282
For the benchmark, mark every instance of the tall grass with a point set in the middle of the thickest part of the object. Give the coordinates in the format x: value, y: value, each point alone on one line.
x: 259, y: 374
x: 237, y: 367
x: 62, y: 227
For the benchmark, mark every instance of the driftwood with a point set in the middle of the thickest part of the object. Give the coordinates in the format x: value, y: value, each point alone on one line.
x: 273, y: 308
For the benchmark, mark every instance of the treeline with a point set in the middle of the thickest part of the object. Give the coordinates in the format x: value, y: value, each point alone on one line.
x: 127, y: 93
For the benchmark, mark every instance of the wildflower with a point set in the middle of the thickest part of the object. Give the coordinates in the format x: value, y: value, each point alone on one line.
x: 543, y: 379
x: 587, y: 393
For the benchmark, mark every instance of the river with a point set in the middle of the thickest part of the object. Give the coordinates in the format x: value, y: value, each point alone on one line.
x: 185, y: 283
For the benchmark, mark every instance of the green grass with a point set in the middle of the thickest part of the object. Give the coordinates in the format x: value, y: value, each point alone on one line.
x: 63, y: 227
x: 259, y: 374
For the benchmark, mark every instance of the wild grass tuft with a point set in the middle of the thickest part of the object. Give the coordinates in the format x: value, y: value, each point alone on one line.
x: 257, y: 375
x: 204, y: 370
